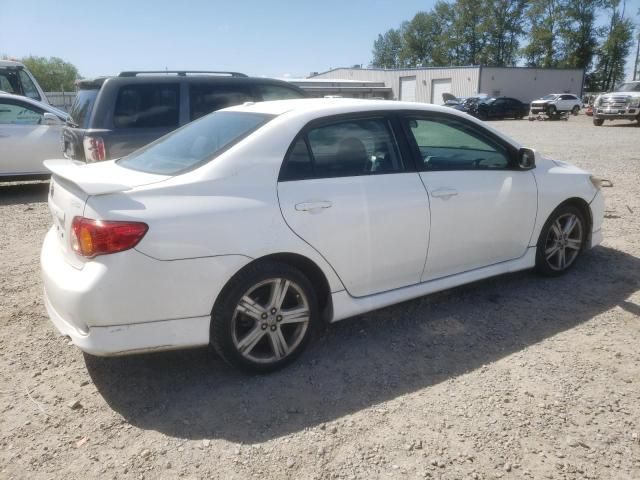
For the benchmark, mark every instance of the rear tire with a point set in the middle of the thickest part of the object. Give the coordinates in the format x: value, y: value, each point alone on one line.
x: 575, y: 110
x: 562, y: 240
x: 264, y: 317
x: 598, y: 122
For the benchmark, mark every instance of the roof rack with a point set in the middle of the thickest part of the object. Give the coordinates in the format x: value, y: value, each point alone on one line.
x: 180, y: 73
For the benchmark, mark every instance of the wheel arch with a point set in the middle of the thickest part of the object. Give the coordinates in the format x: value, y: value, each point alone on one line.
x: 308, y: 268
x: 584, y: 207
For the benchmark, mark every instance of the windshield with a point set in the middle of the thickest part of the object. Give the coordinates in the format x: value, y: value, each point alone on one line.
x: 629, y: 87
x: 81, y: 108
x: 194, y: 144
x: 549, y: 97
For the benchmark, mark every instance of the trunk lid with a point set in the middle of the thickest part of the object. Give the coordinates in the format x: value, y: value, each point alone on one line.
x: 72, y: 184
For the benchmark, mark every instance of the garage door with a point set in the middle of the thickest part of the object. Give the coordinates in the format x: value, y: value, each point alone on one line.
x: 438, y: 87
x: 408, y: 89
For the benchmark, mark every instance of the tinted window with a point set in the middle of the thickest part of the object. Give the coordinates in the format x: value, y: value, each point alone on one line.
x: 9, y: 81
x: 355, y: 147
x: 28, y: 86
x: 207, y: 98
x: 277, y: 92
x: 568, y: 97
x: 194, y: 144
x: 82, y: 106
x: 298, y: 165
x: 448, y: 144
x: 147, y: 106
x: 14, y: 114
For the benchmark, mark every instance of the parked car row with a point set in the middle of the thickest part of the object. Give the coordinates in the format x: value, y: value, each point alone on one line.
x: 485, y: 107
x: 113, y: 116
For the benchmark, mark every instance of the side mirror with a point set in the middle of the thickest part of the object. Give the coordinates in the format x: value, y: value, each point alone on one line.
x: 50, y: 119
x: 526, y: 159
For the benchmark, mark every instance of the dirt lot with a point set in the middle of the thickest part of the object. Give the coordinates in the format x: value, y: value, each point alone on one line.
x: 514, y: 377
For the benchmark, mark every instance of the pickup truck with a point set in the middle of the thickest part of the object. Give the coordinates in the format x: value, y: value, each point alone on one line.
x: 623, y: 104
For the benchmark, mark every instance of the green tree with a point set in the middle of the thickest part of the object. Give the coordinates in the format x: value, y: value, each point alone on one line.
x: 544, y: 18
x: 504, y: 26
x: 578, y: 33
x: 53, y: 73
x: 614, y: 50
x: 421, y: 41
x: 386, y: 49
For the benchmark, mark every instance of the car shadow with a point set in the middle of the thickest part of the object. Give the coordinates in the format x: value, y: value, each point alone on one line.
x: 364, y: 361
x: 18, y: 193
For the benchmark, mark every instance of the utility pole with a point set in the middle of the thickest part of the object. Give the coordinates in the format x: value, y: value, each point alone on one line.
x: 635, y: 65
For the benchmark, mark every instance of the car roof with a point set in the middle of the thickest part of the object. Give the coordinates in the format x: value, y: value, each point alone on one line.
x: 10, y: 63
x: 35, y: 103
x: 97, y: 82
x: 333, y: 106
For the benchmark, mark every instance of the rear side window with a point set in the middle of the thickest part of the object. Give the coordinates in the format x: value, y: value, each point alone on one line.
x: 9, y: 81
x: 194, y: 144
x: 147, y: 106
x: 344, y: 149
x: 277, y: 92
x: 82, y: 106
x: 207, y: 98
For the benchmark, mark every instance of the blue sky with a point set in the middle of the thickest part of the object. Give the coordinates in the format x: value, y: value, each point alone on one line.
x: 272, y: 38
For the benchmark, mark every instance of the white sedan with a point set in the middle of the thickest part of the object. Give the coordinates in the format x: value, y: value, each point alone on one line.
x: 248, y: 228
x: 30, y: 132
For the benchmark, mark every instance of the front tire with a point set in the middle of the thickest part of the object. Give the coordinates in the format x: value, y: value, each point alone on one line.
x: 561, y: 241
x: 575, y: 110
x: 598, y: 122
x: 264, y: 318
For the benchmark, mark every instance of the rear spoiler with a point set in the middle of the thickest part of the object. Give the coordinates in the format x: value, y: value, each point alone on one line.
x: 100, y: 178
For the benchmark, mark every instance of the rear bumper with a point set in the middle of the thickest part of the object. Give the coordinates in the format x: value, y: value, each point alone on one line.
x: 134, y: 338
x: 128, y: 302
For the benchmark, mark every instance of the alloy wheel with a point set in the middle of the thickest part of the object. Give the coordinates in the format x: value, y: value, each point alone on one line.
x: 564, y: 242
x: 270, y: 320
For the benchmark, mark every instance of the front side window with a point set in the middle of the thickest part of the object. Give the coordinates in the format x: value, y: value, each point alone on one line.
x: 14, y: 114
x: 194, y: 144
x: 147, y: 106
x: 28, y: 87
x: 449, y: 144
x: 207, y: 98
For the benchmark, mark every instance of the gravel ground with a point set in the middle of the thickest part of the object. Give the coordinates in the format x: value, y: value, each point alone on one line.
x: 517, y: 377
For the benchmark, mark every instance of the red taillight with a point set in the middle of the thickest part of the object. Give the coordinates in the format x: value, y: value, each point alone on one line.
x: 99, y: 237
x: 94, y: 149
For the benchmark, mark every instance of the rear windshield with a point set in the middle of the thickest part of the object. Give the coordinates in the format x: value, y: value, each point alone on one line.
x: 82, y: 106
x: 194, y: 144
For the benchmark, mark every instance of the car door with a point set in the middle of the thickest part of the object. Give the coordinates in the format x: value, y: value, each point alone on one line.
x: 25, y: 141
x: 498, y: 108
x: 483, y: 209
x: 347, y: 189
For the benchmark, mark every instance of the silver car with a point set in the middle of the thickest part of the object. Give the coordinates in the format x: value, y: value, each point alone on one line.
x: 30, y: 132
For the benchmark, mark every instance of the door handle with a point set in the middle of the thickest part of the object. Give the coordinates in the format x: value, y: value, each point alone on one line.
x: 313, y: 206
x: 444, y: 193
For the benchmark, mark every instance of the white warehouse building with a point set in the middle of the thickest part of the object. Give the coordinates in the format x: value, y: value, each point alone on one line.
x: 428, y: 84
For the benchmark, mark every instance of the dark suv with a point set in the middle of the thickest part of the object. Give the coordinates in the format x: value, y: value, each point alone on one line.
x: 113, y: 116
